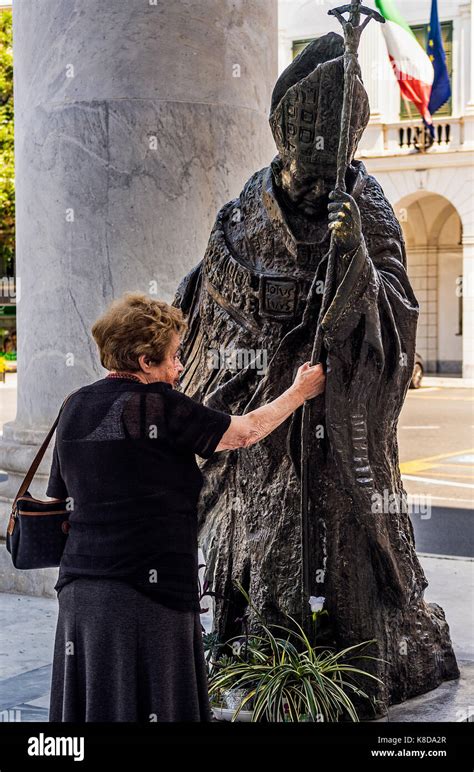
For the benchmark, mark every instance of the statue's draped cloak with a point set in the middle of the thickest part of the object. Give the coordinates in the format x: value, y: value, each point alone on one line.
x: 249, y: 293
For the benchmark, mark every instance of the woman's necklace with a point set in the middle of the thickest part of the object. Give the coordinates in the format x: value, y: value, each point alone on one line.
x: 124, y: 374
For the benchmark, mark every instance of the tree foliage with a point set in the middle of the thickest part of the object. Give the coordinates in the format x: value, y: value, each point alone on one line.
x: 7, y: 173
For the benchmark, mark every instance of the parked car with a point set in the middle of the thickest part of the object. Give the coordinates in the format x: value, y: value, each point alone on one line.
x: 418, y: 370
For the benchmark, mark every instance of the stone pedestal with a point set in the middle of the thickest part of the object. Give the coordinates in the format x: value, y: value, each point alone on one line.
x: 134, y: 123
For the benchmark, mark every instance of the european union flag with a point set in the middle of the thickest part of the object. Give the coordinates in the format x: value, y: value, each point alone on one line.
x: 441, y: 88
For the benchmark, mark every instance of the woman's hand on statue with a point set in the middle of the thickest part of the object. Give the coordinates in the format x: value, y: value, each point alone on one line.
x: 344, y: 221
x: 309, y: 380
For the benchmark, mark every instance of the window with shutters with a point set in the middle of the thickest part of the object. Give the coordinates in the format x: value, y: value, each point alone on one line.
x: 408, y: 110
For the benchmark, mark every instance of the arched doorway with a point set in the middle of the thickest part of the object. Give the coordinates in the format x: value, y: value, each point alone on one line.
x: 433, y: 234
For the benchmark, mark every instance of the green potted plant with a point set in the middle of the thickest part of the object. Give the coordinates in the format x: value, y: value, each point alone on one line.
x: 286, y: 678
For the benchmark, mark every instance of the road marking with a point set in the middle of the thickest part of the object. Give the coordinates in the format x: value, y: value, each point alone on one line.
x: 423, y: 464
x: 452, y: 500
x: 443, y: 557
x: 420, y: 427
x: 447, y: 474
x: 464, y: 458
x: 458, y: 399
x: 459, y: 465
x: 435, y: 481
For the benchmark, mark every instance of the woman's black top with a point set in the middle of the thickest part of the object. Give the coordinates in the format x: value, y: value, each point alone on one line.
x: 124, y: 455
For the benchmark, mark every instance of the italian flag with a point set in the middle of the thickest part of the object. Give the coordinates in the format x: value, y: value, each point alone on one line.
x: 411, y: 64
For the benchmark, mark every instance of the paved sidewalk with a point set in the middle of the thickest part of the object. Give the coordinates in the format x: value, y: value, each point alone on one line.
x: 28, y: 626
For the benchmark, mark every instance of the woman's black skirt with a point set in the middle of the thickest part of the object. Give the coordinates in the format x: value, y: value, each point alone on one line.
x: 120, y: 655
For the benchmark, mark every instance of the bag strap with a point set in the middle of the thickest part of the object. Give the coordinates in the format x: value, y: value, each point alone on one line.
x: 37, y: 459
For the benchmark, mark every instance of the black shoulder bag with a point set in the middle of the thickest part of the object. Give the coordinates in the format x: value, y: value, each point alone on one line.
x: 37, y: 530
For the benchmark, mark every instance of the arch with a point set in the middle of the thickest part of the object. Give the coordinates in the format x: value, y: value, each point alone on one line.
x: 432, y: 228
x: 420, y: 202
x: 456, y: 184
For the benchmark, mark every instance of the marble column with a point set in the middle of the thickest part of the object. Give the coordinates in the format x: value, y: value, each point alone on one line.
x: 134, y: 122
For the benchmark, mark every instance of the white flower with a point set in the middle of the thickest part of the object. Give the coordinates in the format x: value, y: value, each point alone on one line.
x: 316, y: 603
x: 236, y: 646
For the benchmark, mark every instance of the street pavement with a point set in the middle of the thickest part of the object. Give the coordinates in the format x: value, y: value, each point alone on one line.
x: 436, y: 441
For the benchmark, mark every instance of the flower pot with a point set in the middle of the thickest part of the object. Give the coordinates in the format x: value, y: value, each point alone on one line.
x: 225, y: 714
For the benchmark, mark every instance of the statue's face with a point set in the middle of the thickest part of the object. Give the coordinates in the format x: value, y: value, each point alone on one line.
x: 308, y: 190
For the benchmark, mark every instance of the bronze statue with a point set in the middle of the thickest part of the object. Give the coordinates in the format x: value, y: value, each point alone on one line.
x: 299, y: 268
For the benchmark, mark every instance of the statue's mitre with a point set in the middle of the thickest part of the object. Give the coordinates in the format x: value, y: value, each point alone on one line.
x: 305, y: 115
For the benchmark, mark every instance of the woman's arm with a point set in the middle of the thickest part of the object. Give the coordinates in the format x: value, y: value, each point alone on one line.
x: 248, y: 429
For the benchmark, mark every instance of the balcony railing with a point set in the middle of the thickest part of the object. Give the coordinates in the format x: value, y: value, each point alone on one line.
x: 412, y: 137
x: 408, y: 137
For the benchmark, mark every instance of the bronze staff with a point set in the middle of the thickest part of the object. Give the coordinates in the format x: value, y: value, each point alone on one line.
x: 352, y: 32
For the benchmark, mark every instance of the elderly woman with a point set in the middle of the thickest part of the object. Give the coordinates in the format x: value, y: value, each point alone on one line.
x: 128, y: 643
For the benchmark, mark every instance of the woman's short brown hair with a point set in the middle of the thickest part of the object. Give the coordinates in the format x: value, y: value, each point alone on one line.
x: 133, y: 325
